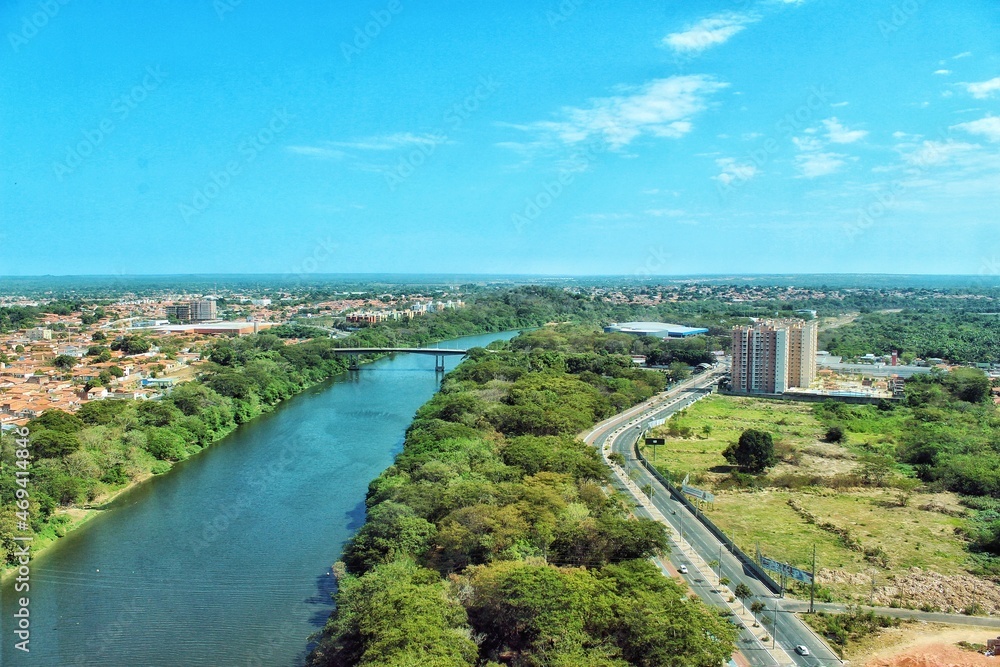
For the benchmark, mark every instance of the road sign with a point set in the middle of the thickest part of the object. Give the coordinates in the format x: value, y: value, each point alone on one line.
x: 698, y: 493
x: 655, y: 441
x: 785, y: 569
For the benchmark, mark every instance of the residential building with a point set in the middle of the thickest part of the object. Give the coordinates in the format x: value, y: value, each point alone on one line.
x: 773, y: 356
x: 39, y: 333
x: 194, y: 311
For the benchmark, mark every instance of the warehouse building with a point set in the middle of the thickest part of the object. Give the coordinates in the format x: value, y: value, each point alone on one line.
x: 655, y: 329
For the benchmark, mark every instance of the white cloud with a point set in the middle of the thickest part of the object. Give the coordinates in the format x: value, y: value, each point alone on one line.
x: 812, y: 165
x: 321, y: 152
x: 660, y: 108
x: 963, y: 54
x: 983, y: 89
x: 813, y: 160
x: 734, y: 171
x: 666, y: 213
x: 840, y: 104
x: 807, y: 143
x: 936, y: 153
x: 390, y: 142
x: 838, y: 134
x: 943, y: 72
x: 988, y: 127
x: 708, y: 32
x: 336, y: 150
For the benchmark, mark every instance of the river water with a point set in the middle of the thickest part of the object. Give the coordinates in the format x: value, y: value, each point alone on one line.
x: 225, y: 560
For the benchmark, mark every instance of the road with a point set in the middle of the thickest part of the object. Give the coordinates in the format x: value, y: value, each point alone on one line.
x: 695, y: 545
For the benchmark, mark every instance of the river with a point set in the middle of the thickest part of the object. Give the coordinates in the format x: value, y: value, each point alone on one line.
x: 225, y: 560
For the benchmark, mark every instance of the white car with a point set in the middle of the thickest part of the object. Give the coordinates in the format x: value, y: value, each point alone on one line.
x: 683, y: 569
x: 801, y: 650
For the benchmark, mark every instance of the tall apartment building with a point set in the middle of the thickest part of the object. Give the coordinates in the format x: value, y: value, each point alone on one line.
x: 773, y: 356
x: 193, y: 311
x: 204, y: 310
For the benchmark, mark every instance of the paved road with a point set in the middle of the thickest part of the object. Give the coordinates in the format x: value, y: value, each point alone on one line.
x: 700, y: 546
x: 916, y: 615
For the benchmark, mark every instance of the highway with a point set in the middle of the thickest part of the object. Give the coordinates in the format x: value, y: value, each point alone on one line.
x: 699, y: 546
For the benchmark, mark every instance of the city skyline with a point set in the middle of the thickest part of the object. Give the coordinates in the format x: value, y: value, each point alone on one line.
x: 573, y: 138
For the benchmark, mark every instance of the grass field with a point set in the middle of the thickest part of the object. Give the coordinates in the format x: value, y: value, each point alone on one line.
x: 882, y: 533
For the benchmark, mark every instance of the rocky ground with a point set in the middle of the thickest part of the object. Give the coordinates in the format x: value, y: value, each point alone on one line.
x: 919, y: 589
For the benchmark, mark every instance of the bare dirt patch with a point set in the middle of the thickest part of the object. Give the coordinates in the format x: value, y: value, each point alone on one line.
x: 925, y: 645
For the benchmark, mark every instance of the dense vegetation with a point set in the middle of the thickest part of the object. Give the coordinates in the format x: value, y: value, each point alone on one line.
x: 492, y: 539
x: 960, y: 337
x: 106, y: 445
x: 945, y: 434
x: 851, y: 627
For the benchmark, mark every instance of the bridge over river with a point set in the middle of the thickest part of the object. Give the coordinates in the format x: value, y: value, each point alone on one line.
x: 439, y: 353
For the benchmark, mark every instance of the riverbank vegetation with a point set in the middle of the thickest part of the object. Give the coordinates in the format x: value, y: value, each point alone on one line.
x: 492, y: 539
x: 83, y: 458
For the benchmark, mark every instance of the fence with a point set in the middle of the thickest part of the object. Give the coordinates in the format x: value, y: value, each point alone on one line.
x: 748, y: 562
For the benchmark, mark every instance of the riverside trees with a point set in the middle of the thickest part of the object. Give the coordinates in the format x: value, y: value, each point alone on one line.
x: 502, y: 516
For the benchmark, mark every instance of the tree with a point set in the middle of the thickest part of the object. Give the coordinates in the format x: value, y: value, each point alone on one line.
x: 835, y: 434
x: 64, y: 361
x: 754, y: 452
x: 99, y: 336
x: 875, y: 469
x: 743, y: 592
x: 132, y: 345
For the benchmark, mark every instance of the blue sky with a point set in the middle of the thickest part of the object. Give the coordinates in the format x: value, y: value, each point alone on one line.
x: 579, y: 137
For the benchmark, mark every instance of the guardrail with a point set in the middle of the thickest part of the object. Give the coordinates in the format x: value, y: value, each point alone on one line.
x: 748, y: 562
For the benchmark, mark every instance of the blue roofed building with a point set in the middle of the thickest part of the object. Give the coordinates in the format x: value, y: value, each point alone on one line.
x: 655, y: 329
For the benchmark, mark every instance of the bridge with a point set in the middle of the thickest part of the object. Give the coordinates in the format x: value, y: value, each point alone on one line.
x: 439, y: 353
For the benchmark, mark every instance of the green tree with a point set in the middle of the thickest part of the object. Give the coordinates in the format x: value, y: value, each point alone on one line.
x: 64, y: 362
x: 392, y: 531
x: 743, y: 592
x: 875, y: 469
x: 754, y: 452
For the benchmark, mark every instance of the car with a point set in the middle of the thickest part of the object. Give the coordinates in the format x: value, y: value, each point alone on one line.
x: 802, y: 650
x: 683, y: 569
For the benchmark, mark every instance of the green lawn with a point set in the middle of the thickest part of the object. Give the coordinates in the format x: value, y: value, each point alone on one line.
x: 907, y: 536
x: 726, y: 417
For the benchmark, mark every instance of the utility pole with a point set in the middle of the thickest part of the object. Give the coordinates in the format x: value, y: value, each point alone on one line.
x: 871, y: 602
x: 774, y: 628
x: 720, y: 563
x: 812, y: 589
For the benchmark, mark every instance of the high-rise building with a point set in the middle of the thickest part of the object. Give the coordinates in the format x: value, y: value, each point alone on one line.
x: 773, y: 356
x: 193, y: 311
x: 204, y: 310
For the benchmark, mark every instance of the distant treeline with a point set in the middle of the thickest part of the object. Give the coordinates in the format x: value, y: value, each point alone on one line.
x: 493, y: 538
x: 956, y: 336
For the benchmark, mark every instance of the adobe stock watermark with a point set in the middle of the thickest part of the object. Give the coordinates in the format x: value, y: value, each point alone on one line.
x: 117, y: 632
x: 249, y: 149
x: 901, y: 13
x: 223, y: 7
x: 370, y: 31
x: 887, y: 195
x: 95, y: 135
x: 33, y: 23
x: 816, y: 100
x: 562, y: 12
x: 453, y: 119
x: 551, y: 190
x: 320, y: 254
x: 654, y: 264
